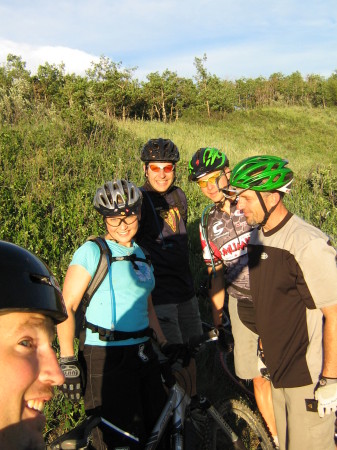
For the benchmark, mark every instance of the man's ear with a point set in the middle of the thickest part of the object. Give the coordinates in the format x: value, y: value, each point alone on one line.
x: 145, y: 169
x: 227, y: 173
x: 274, y: 198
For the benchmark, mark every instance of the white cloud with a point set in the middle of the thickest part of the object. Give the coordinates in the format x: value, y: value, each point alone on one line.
x: 75, y: 61
x: 241, y: 38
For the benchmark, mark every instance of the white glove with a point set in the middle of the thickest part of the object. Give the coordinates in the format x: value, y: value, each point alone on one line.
x: 326, y: 395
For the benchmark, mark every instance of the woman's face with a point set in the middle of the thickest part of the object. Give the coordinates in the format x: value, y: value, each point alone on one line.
x: 122, y: 229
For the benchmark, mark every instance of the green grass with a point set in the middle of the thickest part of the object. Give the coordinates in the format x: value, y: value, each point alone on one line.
x: 302, y: 135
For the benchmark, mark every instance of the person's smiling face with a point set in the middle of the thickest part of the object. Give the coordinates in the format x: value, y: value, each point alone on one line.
x: 208, y: 186
x: 160, y: 175
x: 122, y: 229
x: 29, y: 370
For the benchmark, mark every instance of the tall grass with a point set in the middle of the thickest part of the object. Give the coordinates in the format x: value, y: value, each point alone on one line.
x: 306, y: 137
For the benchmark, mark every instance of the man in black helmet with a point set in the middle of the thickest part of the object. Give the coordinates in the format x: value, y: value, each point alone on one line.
x: 30, y: 305
x: 163, y: 233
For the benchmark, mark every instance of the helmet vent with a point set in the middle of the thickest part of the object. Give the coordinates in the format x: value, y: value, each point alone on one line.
x: 40, y: 279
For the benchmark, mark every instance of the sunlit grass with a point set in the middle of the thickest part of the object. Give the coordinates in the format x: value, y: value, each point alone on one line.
x: 301, y: 135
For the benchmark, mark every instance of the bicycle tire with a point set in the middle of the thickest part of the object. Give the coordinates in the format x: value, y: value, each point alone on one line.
x: 246, y: 423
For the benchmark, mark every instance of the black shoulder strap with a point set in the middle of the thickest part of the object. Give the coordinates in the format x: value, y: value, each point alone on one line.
x: 204, y: 233
x: 99, y: 275
x: 180, y: 205
x: 101, y: 270
x: 147, y: 196
x: 103, y: 267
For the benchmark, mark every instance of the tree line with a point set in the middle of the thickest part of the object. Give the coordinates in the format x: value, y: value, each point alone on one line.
x: 109, y: 90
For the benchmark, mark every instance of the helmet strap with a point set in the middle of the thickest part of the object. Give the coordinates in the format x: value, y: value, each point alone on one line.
x: 267, y: 213
x: 219, y: 205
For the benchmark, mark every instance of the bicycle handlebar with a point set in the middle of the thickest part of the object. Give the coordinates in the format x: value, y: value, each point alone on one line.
x: 196, y: 341
x: 79, y: 436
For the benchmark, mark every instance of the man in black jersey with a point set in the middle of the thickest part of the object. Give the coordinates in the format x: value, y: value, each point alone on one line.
x: 295, y: 304
x: 224, y: 238
x: 163, y: 234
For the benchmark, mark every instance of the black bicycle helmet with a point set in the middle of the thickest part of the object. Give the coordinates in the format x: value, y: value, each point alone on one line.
x: 160, y: 150
x: 118, y: 197
x: 262, y: 173
x: 27, y: 285
x: 206, y: 160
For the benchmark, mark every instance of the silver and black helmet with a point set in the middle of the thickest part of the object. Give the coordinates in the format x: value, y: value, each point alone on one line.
x: 118, y: 197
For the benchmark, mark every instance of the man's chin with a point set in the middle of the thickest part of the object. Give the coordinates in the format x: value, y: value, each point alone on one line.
x: 25, y: 435
x: 251, y: 222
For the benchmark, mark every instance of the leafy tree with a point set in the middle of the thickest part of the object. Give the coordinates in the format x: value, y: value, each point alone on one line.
x: 48, y: 84
x: 277, y: 87
x: 331, y: 86
x: 15, y: 90
x: 161, y: 93
x: 110, y: 87
x: 202, y: 78
x: 316, y: 89
x: 295, y: 88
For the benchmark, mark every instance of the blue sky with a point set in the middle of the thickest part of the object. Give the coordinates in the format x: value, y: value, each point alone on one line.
x: 241, y: 38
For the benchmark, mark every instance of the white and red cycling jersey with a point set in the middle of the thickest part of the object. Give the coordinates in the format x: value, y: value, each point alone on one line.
x: 228, y: 237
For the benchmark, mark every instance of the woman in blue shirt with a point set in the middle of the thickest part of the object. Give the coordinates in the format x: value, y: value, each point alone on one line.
x: 123, y: 382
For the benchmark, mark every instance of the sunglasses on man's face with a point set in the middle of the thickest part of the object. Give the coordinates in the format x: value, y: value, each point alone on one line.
x: 157, y: 168
x: 211, y: 180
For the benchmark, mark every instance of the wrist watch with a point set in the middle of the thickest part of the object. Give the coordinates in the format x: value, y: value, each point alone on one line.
x: 323, y: 381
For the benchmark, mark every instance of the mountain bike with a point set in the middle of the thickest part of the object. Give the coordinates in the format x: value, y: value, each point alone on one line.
x: 237, y: 403
x: 191, y: 424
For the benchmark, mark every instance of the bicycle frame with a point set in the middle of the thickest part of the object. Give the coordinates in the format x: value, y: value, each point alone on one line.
x: 174, y: 411
x: 175, y: 407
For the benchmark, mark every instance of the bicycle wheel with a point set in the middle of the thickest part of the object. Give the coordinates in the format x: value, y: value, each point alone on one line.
x: 246, y: 423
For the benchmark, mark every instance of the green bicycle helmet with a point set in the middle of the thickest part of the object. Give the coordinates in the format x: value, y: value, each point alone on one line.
x: 262, y: 173
x: 206, y: 160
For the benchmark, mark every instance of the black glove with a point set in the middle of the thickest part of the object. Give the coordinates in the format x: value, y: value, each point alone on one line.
x: 225, y: 340
x: 72, y: 387
x: 175, y: 352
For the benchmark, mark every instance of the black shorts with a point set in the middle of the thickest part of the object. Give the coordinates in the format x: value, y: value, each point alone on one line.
x: 123, y: 385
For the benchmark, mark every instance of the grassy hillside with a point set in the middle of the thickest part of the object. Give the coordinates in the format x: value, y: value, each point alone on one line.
x: 306, y: 137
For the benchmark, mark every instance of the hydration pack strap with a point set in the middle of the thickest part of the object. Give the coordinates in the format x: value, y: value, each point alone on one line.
x: 132, y: 258
x: 114, y: 335
x: 156, y: 219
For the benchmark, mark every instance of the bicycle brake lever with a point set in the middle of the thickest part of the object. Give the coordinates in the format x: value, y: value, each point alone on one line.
x: 196, y: 341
